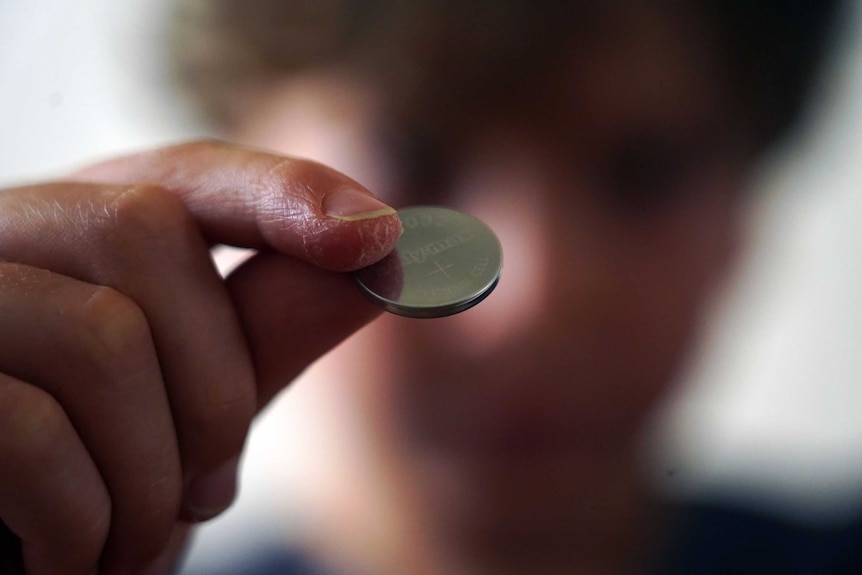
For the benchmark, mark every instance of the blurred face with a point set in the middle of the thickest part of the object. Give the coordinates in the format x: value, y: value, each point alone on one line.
x: 509, y: 432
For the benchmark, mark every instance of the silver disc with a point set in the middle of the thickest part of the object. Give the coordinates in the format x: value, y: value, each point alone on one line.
x: 445, y: 262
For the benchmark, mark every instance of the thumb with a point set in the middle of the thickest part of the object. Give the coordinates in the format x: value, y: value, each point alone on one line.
x: 253, y: 199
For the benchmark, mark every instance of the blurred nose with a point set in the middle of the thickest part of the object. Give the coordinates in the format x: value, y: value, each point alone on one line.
x: 555, y: 283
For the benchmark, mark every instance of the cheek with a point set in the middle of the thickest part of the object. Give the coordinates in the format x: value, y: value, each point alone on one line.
x: 677, y: 269
x: 656, y: 326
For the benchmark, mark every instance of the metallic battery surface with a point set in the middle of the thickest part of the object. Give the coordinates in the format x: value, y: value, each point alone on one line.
x: 445, y: 262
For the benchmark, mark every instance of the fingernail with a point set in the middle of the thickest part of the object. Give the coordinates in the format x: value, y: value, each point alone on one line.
x: 350, y: 205
x: 211, y: 493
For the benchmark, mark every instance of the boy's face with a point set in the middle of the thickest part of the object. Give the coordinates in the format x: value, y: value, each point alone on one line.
x: 612, y: 183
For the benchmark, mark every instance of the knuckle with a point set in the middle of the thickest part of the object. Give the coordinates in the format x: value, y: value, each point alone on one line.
x: 150, y: 214
x: 112, y: 328
x: 32, y: 425
x: 31, y: 421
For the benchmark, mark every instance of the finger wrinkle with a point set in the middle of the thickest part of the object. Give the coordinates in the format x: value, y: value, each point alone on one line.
x: 378, y: 237
x: 72, y: 222
x: 312, y: 245
x: 43, y: 216
x: 282, y: 216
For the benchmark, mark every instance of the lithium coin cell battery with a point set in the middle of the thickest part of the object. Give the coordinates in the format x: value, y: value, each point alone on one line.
x: 444, y: 263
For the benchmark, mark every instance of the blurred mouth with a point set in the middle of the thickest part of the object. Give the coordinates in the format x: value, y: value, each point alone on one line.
x: 508, y: 433
x: 513, y: 477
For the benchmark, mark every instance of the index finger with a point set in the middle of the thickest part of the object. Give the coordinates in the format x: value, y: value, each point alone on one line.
x: 253, y: 199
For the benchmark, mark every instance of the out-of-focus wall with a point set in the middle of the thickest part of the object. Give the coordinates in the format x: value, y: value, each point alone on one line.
x: 81, y: 78
x: 771, y: 411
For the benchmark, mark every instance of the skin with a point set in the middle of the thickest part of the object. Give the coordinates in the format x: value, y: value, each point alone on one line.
x: 502, y: 440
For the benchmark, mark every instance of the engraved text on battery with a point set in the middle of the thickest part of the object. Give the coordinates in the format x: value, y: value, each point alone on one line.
x: 458, y: 288
x: 420, y: 255
x: 481, y: 267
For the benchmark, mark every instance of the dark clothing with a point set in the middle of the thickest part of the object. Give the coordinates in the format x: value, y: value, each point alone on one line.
x: 707, y: 540
x: 268, y: 561
x: 713, y: 540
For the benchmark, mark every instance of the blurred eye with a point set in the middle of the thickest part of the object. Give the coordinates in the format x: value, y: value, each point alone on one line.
x: 421, y: 165
x: 646, y: 172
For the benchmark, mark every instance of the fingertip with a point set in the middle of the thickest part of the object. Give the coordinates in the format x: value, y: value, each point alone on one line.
x: 325, y: 218
x: 211, y: 493
x: 353, y: 244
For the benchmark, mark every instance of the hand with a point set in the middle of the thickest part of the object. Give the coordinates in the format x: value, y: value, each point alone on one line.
x: 129, y: 370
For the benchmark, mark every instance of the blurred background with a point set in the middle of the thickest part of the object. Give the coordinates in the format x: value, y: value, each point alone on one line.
x: 769, y: 411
